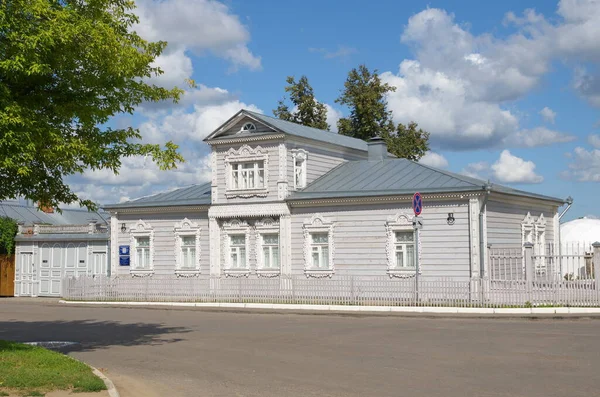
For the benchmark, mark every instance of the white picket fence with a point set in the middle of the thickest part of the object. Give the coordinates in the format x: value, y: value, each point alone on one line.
x: 339, y: 290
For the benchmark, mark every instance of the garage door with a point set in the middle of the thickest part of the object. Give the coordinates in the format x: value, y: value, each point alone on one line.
x: 61, y: 260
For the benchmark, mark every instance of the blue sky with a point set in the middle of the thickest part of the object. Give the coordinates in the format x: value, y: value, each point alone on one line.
x: 509, y: 90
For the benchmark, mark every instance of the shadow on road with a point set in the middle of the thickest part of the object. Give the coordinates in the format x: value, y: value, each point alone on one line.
x: 90, y: 335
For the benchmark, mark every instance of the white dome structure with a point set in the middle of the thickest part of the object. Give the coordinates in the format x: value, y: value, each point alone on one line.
x: 582, y: 231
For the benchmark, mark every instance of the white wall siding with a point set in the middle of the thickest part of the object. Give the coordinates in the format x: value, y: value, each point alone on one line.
x: 164, y: 239
x: 504, y: 221
x: 360, y: 238
x: 321, y: 159
x: 260, y: 127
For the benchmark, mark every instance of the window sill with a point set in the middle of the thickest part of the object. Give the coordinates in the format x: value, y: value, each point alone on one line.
x: 402, y: 273
x: 231, y: 193
x: 187, y: 272
x: 237, y: 272
x: 141, y: 272
x: 318, y: 273
x: 268, y: 272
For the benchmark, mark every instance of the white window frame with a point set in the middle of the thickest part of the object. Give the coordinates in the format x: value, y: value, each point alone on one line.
x: 316, y: 225
x: 302, y: 156
x: 186, y: 228
x: 401, y: 222
x: 266, y: 226
x: 246, y: 154
x: 235, y: 227
x: 141, y: 230
x: 251, y: 127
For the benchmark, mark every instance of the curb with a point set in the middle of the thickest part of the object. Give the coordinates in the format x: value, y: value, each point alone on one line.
x: 342, y: 308
x: 110, y: 386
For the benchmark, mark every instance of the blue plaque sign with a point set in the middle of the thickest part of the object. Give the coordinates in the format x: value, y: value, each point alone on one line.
x: 123, y: 261
x: 123, y: 250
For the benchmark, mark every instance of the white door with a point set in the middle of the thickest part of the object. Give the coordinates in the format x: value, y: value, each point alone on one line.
x: 99, y: 263
x: 56, y: 269
x: 26, y: 273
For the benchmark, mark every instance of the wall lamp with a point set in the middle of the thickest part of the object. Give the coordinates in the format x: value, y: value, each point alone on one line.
x: 450, y: 218
x: 123, y: 228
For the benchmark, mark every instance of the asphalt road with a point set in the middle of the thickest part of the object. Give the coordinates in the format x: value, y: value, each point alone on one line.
x: 180, y: 352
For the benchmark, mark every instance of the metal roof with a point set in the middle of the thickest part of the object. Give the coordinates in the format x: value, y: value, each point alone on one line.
x: 395, y: 177
x: 190, y: 195
x: 30, y: 215
x: 294, y: 129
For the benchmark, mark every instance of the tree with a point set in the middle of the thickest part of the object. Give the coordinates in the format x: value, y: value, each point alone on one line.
x: 307, y: 110
x: 67, y: 67
x: 8, y: 231
x: 365, y: 94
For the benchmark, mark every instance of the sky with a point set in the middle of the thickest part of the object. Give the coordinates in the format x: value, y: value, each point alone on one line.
x: 510, y: 91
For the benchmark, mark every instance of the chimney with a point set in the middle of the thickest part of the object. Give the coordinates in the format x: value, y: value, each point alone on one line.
x: 377, y: 149
x: 45, y: 208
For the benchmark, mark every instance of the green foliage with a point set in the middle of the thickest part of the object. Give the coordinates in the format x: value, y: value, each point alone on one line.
x: 8, y: 231
x: 308, y: 111
x: 32, y: 368
x: 67, y: 67
x: 365, y: 94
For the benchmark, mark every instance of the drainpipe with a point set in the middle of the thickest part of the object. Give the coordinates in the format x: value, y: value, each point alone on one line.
x: 569, y: 202
x: 488, y: 190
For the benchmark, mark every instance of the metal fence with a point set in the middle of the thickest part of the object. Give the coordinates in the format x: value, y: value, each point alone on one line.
x: 340, y: 290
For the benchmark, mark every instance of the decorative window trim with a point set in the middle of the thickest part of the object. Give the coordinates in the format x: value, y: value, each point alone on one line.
x: 186, y: 228
x: 246, y: 154
x: 235, y: 227
x: 539, y: 247
x: 248, y: 126
x: 527, y: 226
x: 318, y: 224
x: 400, y: 222
x: 302, y: 155
x: 266, y: 226
x: 141, y: 229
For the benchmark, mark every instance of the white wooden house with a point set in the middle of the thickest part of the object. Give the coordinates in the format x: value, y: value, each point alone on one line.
x: 285, y: 199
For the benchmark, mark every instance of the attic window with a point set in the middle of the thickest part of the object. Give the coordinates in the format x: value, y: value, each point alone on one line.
x: 249, y: 127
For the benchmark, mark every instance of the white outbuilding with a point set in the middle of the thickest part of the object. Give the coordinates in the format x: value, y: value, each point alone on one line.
x: 580, y: 231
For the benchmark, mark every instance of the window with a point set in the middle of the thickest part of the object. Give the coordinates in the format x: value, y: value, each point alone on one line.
x: 187, y: 248
x: 247, y: 172
x: 405, y: 250
x: 248, y: 175
x: 142, y: 249
x: 237, y: 247
x: 270, y: 248
x: 320, y: 250
x: 142, y: 252
x: 318, y: 247
x: 188, y: 252
x: 402, y: 248
x: 249, y: 127
x: 299, y: 156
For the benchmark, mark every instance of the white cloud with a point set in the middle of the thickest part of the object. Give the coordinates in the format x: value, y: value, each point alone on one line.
x: 333, y: 115
x: 539, y: 136
x: 198, y: 26
x: 459, y: 84
x: 585, y: 165
x: 587, y: 85
x: 548, y: 114
x: 434, y: 160
x: 513, y: 169
x: 594, y: 140
x: 480, y: 170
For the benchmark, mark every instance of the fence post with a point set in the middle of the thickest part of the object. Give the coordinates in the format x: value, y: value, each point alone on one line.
x: 596, y: 269
x: 528, y: 258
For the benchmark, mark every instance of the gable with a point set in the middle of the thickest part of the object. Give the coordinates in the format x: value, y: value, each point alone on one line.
x: 236, y: 126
